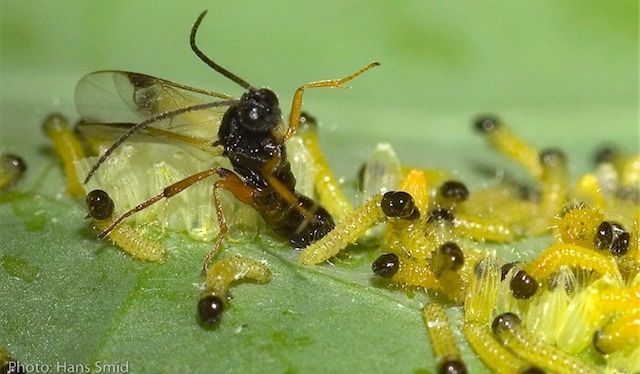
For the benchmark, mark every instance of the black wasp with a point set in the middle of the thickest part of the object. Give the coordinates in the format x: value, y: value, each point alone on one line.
x: 250, y: 133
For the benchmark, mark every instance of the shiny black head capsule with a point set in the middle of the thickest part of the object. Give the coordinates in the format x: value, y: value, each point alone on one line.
x: 440, y: 215
x: 551, y: 157
x: 533, y: 370
x: 16, y: 162
x: 504, y: 269
x: 604, y: 236
x: 452, y: 366
x: 448, y: 256
x: 605, y: 154
x: 386, y: 266
x: 100, y: 204
x: 504, y: 322
x: 259, y: 110
x: 620, y: 244
x: 399, y: 204
x: 454, y: 190
x: 522, y: 285
x: 210, y: 308
x: 486, y: 124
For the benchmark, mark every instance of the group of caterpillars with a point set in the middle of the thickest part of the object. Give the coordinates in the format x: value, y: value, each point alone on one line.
x: 578, y: 296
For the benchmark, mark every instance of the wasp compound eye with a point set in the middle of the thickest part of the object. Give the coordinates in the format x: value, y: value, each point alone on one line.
x: 210, y: 309
x: 486, y: 124
x: 455, y: 191
x: 452, y: 366
x: 504, y: 322
x: 522, y: 285
x: 100, y: 204
x: 386, y: 266
x: 399, y: 204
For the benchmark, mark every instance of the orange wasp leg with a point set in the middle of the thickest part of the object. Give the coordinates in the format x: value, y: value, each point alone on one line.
x: 168, y: 192
x: 296, y: 104
x: 232, y: 183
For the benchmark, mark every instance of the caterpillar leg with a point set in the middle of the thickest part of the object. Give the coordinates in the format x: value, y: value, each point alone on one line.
x: 219, y: 278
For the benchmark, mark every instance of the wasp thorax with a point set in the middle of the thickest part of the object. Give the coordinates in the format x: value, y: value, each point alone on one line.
x: 259, y: 110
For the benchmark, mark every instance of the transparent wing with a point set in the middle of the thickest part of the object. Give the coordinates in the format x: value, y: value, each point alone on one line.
x: 120, y: 98
x: 104, y: 134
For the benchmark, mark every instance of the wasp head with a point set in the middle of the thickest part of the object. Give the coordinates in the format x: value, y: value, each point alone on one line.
x: 259, y: 110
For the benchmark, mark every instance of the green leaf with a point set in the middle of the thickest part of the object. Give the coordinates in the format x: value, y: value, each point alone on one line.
x: 563, y: 74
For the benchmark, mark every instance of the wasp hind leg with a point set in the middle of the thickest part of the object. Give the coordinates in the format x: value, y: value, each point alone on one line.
x: 231, y: 182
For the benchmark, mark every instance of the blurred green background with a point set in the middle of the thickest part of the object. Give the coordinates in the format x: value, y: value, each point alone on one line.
x: 560, y: 73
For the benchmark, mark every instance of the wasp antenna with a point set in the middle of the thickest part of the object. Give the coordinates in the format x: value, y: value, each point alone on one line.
x: 208, y: 61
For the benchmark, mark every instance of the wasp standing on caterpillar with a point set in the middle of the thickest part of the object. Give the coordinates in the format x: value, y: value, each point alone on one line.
x: 250, y: 132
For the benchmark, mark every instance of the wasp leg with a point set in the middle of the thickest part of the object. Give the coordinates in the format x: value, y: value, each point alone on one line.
x: 232, y: 183
x: 166, y: 193
x: 219, y: 278
x: 296, y: 104
x: 68, y: 148
x: 100, y: 205
x: 126, y: 237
